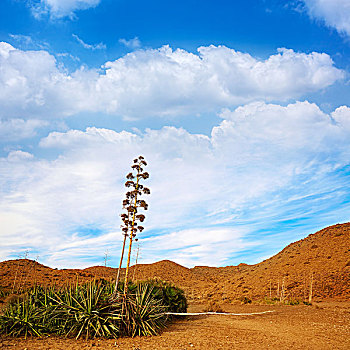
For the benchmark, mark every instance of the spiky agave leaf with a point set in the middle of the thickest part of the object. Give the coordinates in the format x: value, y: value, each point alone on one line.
x: 169, y: 295
x: 22, y: 317
x: 85, y: 310
x: 144, y: 315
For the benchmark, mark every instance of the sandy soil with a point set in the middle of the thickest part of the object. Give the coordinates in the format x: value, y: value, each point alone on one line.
x: 321, y: 326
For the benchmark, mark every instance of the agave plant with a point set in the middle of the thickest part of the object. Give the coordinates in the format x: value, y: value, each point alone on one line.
x: 22, y: 317
x: 85, y: 310
x: 88, y: 310
x: 169, y: 295
x: 175, y: 299
x: 143, y: 314
x: 4, y: 292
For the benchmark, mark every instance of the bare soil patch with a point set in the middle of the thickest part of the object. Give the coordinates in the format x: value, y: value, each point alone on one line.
x: 322, y: 326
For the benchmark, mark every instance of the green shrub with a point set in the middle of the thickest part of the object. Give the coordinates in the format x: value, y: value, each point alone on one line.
x: 168, y: 294
x: 292, y: 302
x: 144, y: 314
x: 89, y: 310
x: 85, y: 311
x: 22, y: 317
x: 4, y: 292
x: 274, y: 300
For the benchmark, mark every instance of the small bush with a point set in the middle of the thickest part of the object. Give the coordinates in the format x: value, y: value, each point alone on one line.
x: 245, y: 300
x: 4, y: 293
x: 278, y: 301
x: 213, y: 306
x: 168, y: 294
x: 270, y: 301
x: 292, y: 302
x: 22, y: 317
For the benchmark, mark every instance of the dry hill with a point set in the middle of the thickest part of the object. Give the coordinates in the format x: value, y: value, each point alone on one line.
x: 322, y: 259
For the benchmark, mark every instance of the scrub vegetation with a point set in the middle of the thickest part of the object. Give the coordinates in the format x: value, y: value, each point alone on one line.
x: 90, y: 310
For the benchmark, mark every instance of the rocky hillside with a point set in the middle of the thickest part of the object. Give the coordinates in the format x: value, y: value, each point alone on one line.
x: 321, y: 260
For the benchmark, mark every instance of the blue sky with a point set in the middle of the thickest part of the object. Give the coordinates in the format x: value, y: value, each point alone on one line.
x: 240, y: 108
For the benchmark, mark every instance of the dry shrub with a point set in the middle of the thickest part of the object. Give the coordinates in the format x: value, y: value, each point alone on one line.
x: 245, y: 300
x: 213, y: 306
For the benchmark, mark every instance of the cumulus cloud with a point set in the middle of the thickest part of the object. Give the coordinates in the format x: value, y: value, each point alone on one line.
x: 61, y: 8
x: 134, y: 43
x: 335, y: 13
x: 18, y: 129
x: 263, y: 164
x: 99, y: 46
x: 19, y: 155
x: 29, y: 81
x: 157, y: 82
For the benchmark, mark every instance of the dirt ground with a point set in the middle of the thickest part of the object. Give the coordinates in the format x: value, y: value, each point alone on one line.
x: 325, y: 325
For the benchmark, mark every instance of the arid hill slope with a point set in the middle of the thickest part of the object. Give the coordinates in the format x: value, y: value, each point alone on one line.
x: 322, y: 259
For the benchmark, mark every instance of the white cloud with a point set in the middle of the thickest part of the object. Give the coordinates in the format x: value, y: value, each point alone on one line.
x: 208, y: 193
x: 68, y: 55
x: 201, y: 246
x: 27, y: 42
x: 19, y: 156
x: 134, y: 43
x: 29, y: 82
x: 61, y: 8
x: 157, y: 82
x: 99, y: 46
x: 17, y: 129
x: 335, y: 13
x: 23, y: 39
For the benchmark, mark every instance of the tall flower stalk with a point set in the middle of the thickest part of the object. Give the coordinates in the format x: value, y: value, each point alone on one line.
x: 125, y: 219
x: 132, y: 204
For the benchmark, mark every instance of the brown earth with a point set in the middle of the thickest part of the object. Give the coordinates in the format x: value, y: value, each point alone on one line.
x: 321, y: 260
x: 318, y: 327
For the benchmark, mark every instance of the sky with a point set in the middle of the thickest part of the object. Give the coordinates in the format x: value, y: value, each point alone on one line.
x: 240, y: 108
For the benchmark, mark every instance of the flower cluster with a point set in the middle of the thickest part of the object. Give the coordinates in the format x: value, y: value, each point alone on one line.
x: 132, y: 203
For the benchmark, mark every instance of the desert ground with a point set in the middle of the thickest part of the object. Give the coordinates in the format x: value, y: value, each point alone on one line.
x: 325, y: 325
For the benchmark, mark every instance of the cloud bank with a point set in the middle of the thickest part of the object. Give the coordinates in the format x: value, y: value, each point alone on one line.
x: 157, y: 82
x: 335, y: 13
x: 18, y: 129
x: 263, y: 164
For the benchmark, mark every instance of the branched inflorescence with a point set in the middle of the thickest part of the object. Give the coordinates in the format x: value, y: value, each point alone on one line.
x: 132, y: 204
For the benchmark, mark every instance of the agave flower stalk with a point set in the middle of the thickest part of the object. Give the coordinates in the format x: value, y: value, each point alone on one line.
x: 137, y: 256
x: 133, y: 203
x: 125, y: 218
